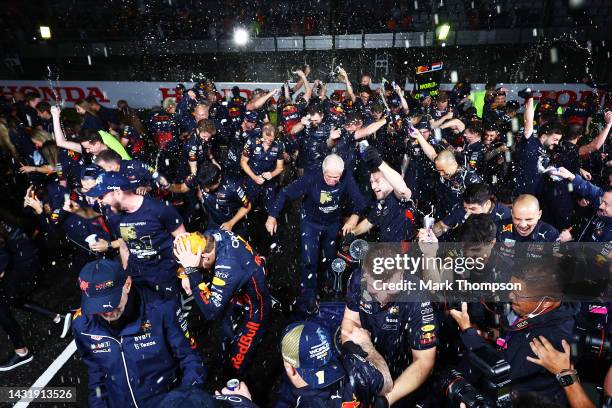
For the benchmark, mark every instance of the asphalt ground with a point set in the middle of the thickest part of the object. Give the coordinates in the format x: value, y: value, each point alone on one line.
x: 56, y: 289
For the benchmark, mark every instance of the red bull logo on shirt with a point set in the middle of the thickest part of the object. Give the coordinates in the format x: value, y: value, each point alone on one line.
x: 244, y: 344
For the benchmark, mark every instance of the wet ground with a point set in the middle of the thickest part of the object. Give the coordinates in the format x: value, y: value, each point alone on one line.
x: 57, y: 290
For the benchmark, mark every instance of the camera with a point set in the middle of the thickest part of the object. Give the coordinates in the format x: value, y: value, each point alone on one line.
x: 493, y: 389
x: 594, y: 343
x: 457, y: 389
x: 496, y: 371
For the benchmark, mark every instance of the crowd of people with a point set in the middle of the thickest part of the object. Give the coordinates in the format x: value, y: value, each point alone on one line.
x: 174, y: 219
x: 216, y: 19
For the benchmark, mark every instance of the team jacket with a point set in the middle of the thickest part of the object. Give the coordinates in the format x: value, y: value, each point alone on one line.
x: 147, y: 358
x: 313, y: 144
x: 164, y: 127
x: 599, y: 229
x: 238, y: 275
x: 450, y: 191
x: 526, y: 376
x: 223, y: 203
x: 322, y: 203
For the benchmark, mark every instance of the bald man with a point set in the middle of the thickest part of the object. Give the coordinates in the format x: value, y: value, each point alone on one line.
x: 324, y: 192
x: 525, y: 224
x: 454, y: 179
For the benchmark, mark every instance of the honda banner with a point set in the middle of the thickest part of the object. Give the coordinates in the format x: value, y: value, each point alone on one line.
x: 149, y: 94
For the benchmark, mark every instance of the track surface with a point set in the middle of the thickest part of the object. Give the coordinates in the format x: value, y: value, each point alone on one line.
x: 57, y: 290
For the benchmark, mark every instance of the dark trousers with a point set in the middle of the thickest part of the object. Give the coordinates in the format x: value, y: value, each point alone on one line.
x: 315, y: 236
x: 261, y: 196
x: 10, y: 325
x: 14, y: 288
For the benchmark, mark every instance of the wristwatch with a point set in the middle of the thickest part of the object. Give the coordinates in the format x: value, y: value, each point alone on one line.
x: 190, y: 269
x: 567, y: 377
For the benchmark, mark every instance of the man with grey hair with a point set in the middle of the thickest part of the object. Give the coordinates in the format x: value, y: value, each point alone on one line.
x: 324, y: 194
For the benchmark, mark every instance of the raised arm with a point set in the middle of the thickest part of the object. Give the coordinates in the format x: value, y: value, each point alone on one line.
x: 528, y: 117
x: 427, y: 148
x: 307, y: 87
x: 349, y: 88
x: 298, y: 127
x: 323, y: 92
x: 401, y: 190
x: 598, y: 142
x: 400, y: 92
x: 449, y: 123
x: 448, y: 117
x: 259, y: 102
x: 60, y: 138
x: 581, y: 186
x: 299, y: 83
x: 370, y: 129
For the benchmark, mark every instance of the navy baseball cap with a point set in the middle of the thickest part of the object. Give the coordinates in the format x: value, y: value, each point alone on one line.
x: 424, y: 96
x: 56, y: 195
x: 110, y: 181
x: 101, y: 282
x: 90, y: 172
x: 395, y: 101
x: 308, y: 347
x: 250, y: 116
x: 423, y: 124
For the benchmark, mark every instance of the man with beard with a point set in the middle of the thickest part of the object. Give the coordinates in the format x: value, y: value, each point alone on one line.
x: 392, y: 211
x: 146, y: 227
x: 532, y: 158
x: 599, y: 227
x: 313, y: 142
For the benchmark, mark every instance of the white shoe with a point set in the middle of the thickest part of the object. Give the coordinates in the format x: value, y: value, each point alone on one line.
x: 67, y: 323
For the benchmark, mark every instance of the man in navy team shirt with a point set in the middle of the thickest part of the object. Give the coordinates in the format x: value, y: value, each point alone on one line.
x: 392, y: 210
x: 141, y: 175
x: 525, y: 224
x: 477, y: 199
x: 532, y: 157
x: 599, y: 227
x: 224, y: 200
x: 314, y: 140
x: 146, y: 227
x: 324, y: 192
x: 198, y: 146
x: 262, y: 161
x: 238, y: 136
x: 404, y: 330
